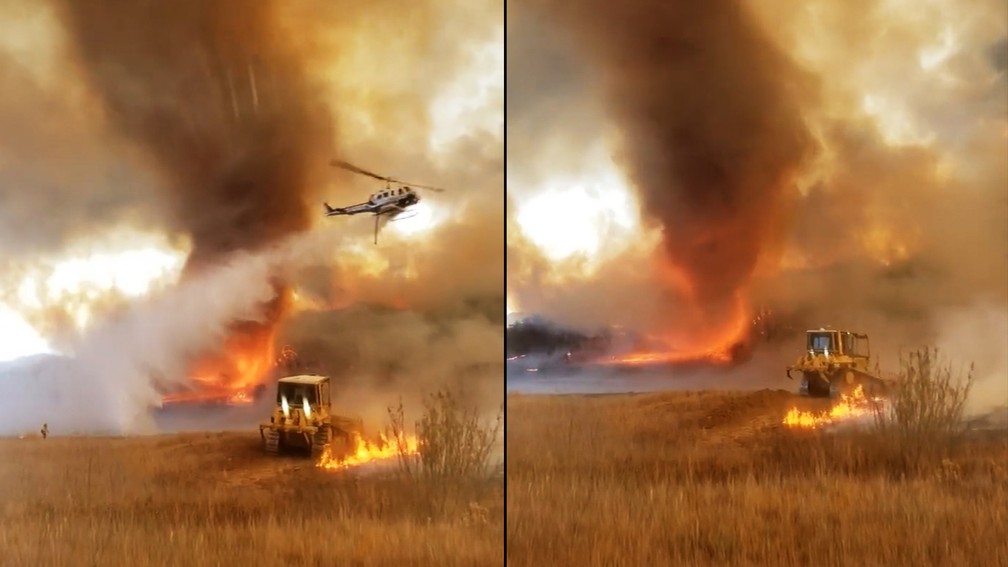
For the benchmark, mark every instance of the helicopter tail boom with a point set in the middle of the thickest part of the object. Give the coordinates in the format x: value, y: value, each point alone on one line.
x: 351, y: 210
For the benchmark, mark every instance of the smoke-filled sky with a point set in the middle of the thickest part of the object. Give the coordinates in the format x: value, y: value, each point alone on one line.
x: 137, y: 140
x: 674, y: 164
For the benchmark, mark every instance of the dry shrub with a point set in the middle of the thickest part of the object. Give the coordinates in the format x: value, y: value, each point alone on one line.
x: 914, y: 432
x: 453, y: 440
x: 923, y: 417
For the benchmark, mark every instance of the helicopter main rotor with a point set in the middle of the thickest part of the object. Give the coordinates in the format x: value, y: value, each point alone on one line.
x: 353, y: 168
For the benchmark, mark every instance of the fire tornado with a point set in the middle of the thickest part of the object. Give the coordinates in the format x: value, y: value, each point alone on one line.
x: 827, y: 165
x: 712, y: 137
x: 217, y: 97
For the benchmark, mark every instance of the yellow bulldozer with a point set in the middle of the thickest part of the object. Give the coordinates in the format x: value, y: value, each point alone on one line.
x: 302, y: 420
x: 836, y: 362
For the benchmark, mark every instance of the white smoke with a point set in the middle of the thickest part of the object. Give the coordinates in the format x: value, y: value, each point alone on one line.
x: 976, y: 334
x: 111, y: 381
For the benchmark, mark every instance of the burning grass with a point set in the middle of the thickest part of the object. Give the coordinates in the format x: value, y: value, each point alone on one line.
x: 852, y: 407
x: 215, y: 498
x: 366, y: 451
x: 920, y: 420
x: 713, y: 478
x: 925, y: 403
x: 450, y: 442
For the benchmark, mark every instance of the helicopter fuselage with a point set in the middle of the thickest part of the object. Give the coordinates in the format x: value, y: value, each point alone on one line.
x: 393, y: 199
x: 390, y: 203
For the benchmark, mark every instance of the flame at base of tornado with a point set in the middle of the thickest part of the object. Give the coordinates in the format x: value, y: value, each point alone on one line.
x: 364, y: 452
x: 717, y: 346
x: 233, y: 376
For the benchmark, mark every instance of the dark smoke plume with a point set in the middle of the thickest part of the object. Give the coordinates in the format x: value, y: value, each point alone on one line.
x: 144, y: 117
x: 220, y: 103
x: 712, y: 132
x: 897, y: 228
x: 218, y: 97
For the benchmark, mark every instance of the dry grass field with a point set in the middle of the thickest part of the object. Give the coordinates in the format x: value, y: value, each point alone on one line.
x: 216, y: 499
x: 712, y: 478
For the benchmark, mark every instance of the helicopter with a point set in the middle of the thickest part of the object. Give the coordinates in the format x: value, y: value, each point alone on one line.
x: 392, y: 203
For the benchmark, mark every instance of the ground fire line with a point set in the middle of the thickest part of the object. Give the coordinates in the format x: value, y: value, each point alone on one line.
x: 849, y: 408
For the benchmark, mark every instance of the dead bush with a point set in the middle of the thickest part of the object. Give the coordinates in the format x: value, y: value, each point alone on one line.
x: 923, y: 416
x: 452, y: 440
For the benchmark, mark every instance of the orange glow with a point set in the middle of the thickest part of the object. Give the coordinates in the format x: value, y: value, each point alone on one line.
x: 368, y: 452
x: 246, y: 360
x: 675, y: 276
x: 849, y: 407
x: 231, y: 376
x: 716, y: 347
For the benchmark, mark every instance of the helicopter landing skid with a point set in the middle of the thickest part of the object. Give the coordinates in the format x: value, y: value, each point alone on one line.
x: 393, y: 218
x: 404, y: 216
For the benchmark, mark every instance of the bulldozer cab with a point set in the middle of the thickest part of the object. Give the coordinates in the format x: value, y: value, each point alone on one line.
x: 836, y: 362
x: 821, y: 342
x: 838, y: 343
x: 297, y: 389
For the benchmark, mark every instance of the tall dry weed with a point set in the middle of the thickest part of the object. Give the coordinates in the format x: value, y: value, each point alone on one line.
x: 923, y: 416
x: 453, y: 440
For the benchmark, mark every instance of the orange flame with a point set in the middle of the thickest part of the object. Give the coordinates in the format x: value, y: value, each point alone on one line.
x: 368, y: 452
x: 231, y: 376
x: 645, y: 358
x: 849, y: 407
x: 717, y: 347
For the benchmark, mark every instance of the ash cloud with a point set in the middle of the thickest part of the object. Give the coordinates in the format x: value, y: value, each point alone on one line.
x: 707, y: 105
x: 97, y: 183
x: 940, y: 191
x: 241, y: 170
x: 378, y: 356
x: 456, y: 267
x: 218, y: 98
x: 881, y: 179
x: 117, y: 372
x: 556, y: 115
x: 221, y: 103
x: 434, y: 316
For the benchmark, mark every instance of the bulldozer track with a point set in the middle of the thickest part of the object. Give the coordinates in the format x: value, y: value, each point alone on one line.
x: 271, y: 442
x: 320, y: 441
